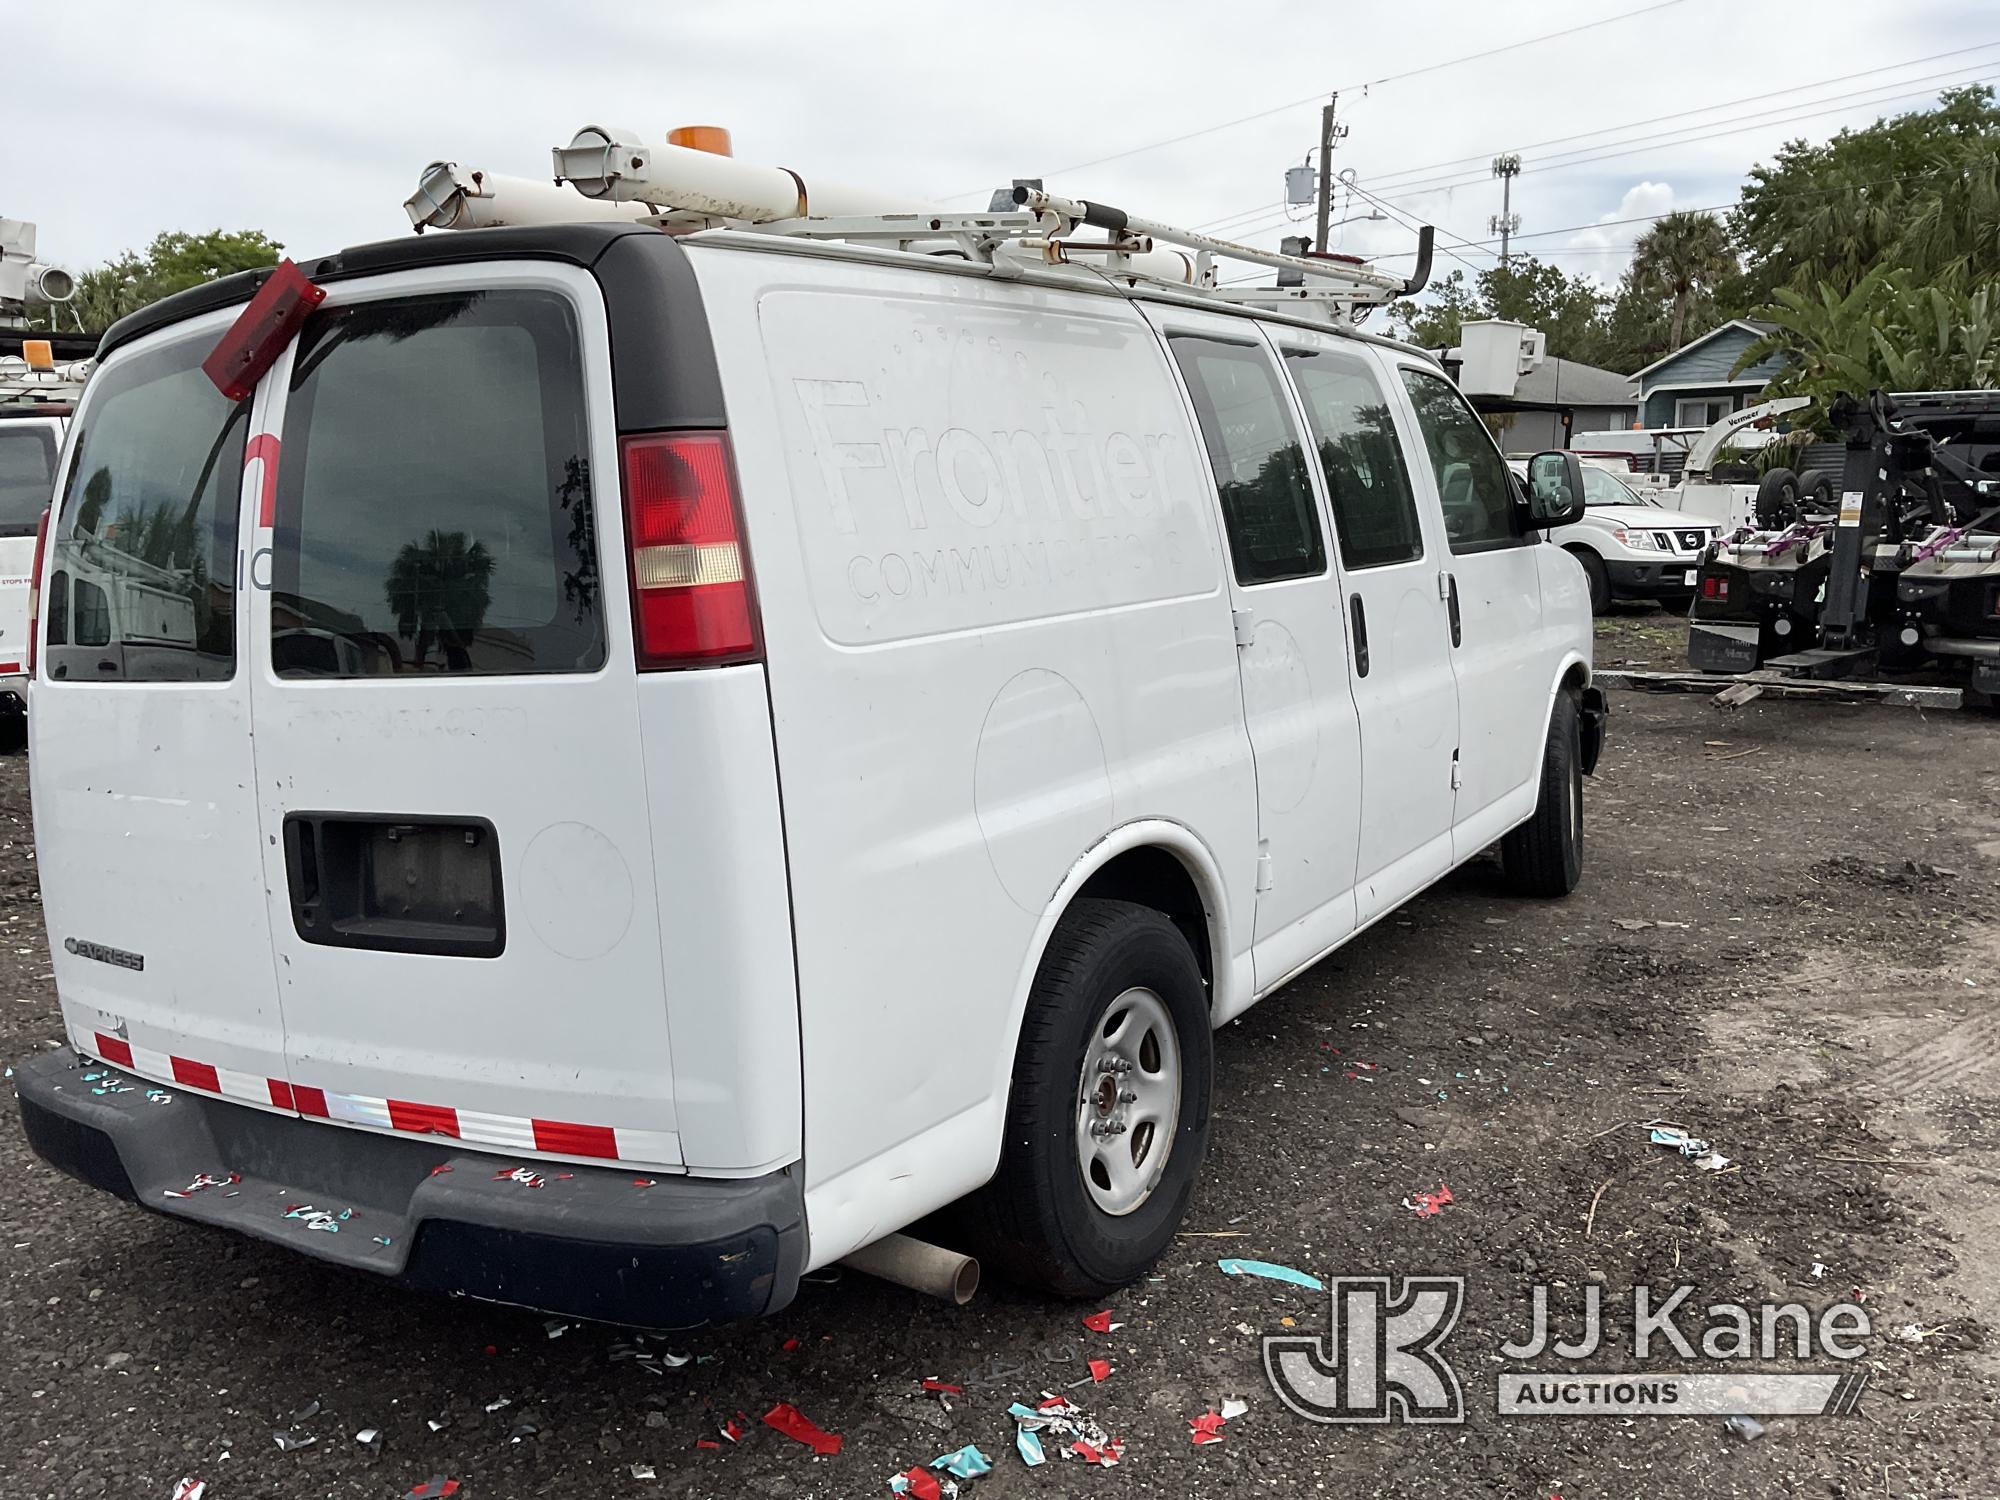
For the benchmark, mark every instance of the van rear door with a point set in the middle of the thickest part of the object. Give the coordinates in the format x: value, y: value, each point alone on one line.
x: 142, y: 772
x: 449, y: 774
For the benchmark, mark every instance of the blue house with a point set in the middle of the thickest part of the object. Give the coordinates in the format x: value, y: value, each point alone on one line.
x: 1692, y: 386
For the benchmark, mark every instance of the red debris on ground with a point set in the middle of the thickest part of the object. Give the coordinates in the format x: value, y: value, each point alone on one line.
x: 1430, y: 1205
x: 796, y: 1425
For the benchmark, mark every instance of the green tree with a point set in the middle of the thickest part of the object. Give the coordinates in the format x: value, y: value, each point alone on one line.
x: 1681, y: 260
x: 1435, y: 324
x: 1636, y: 328
x: 174, y: 262
x: 1894, y: 330
x: 1917, y: 191
x: 1569, y: 309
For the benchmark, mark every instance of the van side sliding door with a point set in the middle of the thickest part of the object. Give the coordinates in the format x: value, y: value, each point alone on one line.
x: 1291, y: 638
x: 1390, y: 558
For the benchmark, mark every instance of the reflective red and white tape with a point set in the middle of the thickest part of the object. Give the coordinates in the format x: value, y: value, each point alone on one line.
x: 474, y: 1127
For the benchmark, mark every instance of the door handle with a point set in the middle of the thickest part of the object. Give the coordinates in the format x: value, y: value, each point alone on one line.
x: 1360, y: 618
x: 1451, y: 606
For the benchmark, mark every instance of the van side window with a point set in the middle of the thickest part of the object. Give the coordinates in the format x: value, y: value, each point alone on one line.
x: 59, y: 609
x: 27, y: 473
x: 93, y: 614
x: 146, y: 530
x: 434, y: 498
x: 1473, y: 484
x: 1260, y: 466
x: 1374, y: 508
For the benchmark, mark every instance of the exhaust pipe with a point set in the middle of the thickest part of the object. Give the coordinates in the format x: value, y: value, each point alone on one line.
x: 930, y: 1269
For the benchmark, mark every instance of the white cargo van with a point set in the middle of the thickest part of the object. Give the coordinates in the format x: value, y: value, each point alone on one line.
x: 31, y: 435
x: 657, y: 762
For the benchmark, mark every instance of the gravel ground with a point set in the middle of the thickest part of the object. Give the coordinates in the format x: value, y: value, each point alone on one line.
x: 1816, y: 1006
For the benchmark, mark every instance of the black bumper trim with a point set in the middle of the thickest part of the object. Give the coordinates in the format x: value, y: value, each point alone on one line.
x: 1661, y: 580
x: 1590, y: 727
x: 590, y: 1242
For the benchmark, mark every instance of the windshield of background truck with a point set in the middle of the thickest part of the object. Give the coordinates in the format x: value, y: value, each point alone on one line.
x: 1599, y: 488
x: 142, y: 569
x: 27, y: 474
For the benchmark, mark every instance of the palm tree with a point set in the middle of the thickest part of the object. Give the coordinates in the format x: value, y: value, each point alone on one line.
x: 438, y: 588
x: 1680, y: 258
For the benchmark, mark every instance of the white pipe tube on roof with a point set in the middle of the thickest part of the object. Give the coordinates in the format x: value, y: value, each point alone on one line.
x: 449, y: 196
x: 608, y: 164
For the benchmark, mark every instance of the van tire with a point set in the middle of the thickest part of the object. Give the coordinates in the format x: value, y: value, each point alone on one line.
x: 1597, y: 577
x: 1035, y: 1222
x: 1544, y: 856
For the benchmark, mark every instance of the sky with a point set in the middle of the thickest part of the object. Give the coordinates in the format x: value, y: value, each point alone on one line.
x: 312, y: 123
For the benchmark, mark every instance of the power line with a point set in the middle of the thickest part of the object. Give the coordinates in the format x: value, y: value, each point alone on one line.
x: 1765, y: 94
x: 1410, y: 195
x: 1319, y: 94
x: 1398, y: 177
x: 1792, y: 113
x: 1712, y: 208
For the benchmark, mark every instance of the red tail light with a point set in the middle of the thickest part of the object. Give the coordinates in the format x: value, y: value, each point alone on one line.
x: 691, y: 599
x: 1715, y: 588
x: 35, y: 593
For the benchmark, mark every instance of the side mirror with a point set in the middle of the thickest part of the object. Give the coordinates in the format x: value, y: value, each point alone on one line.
x: 1555, y: 490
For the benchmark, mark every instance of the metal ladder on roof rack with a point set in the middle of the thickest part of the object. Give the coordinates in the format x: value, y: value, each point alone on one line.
x: 616, y: 175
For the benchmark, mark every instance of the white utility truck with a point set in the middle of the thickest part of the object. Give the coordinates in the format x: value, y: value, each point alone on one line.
x: 696, y: 750
x: 37, y: 394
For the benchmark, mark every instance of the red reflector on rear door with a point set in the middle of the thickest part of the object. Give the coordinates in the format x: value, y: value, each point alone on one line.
x: 35, y: 593
x: 261, y: 331
x: 691, y: 598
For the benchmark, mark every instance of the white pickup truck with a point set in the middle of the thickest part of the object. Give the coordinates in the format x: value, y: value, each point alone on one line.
x: 1629, y: 546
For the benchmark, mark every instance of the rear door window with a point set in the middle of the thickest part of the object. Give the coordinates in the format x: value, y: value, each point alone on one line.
x: 434, y: 496
x: 147, y: 532
x: 1374, y: 508
x: 27, y: 476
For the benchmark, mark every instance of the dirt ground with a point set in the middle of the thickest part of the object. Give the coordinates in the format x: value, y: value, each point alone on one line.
x: 1814, y: 994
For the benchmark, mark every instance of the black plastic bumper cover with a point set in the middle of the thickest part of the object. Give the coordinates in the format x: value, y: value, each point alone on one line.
x: 587, y: 1242
x: 1590, y: 727
x: 1631, y: 580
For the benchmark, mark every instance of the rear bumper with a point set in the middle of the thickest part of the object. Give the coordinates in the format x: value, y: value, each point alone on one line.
x: 1661, y: 580
x: 589, y: 1242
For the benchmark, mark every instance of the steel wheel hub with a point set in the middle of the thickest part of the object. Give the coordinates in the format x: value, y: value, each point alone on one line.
x: 1128, y: 1101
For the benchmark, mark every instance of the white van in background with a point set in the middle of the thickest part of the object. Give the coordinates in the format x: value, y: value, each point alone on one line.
x: 686, y: 755
x: 31, y: 437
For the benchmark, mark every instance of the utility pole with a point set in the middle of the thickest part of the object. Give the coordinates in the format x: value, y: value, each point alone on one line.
x: 1506, y: 222
x: 1329, y: 137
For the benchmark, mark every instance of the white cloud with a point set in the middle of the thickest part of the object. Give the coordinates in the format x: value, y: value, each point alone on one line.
x: 312, y: 125
x: 1612, y: 237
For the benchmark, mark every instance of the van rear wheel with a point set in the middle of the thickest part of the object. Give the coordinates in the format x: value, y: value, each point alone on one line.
x: 1108, y: 1119
x: 1544, y: 856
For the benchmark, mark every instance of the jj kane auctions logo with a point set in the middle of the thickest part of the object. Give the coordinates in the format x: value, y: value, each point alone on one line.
x: 1382, y: 1358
